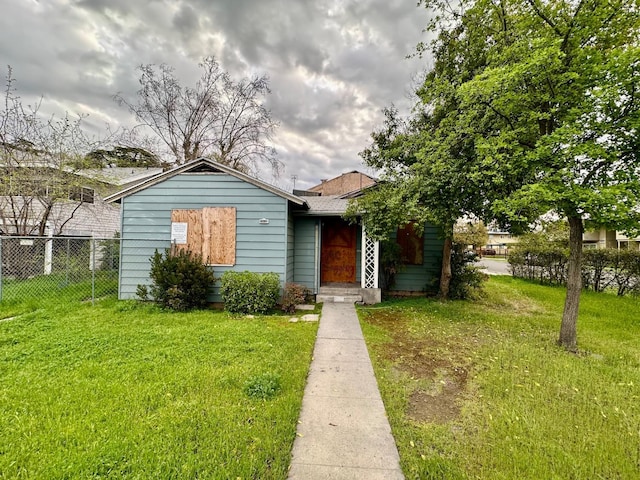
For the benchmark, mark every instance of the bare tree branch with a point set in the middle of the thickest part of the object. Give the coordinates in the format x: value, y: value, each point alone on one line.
x: 219, y: 117
x: 37, y: 159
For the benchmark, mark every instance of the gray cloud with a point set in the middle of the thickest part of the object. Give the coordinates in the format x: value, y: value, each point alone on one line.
x: 333, y: 64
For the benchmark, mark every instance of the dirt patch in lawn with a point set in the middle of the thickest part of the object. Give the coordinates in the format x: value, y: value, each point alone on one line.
x: 441, y: 361
x: 442, y: 404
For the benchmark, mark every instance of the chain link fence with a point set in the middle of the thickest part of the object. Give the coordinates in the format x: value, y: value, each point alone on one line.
x: 63, y: 268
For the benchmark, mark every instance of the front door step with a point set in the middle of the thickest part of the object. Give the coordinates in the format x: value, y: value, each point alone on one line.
x: 339, y: 294
x: 322, y: 298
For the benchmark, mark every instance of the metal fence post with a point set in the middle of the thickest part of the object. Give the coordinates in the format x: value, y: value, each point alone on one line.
x: 67, y: 264
x: 1, y: 280
x: 93, y: 271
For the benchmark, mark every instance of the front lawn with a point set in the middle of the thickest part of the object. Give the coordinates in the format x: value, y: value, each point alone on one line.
x: 479, y: 390
x: 124, y: 390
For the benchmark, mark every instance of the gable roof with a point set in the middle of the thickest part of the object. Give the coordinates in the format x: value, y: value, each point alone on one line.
x: 204, y: 165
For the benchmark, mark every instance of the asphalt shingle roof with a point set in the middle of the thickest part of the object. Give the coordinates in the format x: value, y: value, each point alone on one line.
x: 329, y: 205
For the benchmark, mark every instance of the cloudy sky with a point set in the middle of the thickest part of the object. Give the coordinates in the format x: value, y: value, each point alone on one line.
x: 333, y: 64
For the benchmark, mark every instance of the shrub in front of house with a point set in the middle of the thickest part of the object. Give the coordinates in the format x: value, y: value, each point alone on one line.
x: 249, y: 292
x: 294, y: 294
x: 180, y: 280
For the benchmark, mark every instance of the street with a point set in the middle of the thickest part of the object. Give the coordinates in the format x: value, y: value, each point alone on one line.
x: 494, y: 266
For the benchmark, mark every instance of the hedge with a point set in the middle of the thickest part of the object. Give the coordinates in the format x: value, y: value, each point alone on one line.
x: 602, y: 269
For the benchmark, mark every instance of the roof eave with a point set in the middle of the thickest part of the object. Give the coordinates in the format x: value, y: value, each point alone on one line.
x: 117, y: 197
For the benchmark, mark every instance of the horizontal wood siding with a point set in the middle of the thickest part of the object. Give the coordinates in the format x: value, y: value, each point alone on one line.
x: 419, y: 278
x: 146, y: 225
x: 290, y: 247
x: 304, y: 271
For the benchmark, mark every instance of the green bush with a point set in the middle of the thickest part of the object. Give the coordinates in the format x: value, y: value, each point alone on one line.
x: 180, y: 281
x: 594, y: 268
x: 249, y: 292
x: 542, y: 255
x: 626, y: 271
x: 294, y: 294
x: 466, y: 279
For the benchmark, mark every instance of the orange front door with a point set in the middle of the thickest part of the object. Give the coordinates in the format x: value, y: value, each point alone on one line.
x: 338, y: 255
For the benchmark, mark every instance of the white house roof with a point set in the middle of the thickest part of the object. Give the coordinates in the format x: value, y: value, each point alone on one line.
x: 207, y: 165
x: 119, y: 176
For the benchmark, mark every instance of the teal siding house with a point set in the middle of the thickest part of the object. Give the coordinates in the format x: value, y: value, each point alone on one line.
x: 238, y: 222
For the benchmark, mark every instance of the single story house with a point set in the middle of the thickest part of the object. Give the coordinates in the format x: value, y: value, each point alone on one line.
x: 240, y: 223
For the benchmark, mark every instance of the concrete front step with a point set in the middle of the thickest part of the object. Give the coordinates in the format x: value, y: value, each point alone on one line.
x: 340, y: 290
x: 330, y: 298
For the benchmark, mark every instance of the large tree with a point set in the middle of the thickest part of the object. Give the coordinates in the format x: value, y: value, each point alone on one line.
x: 219, y: 117
x: 557, y: 108
x: 536, y: 103
x: 36, y: 158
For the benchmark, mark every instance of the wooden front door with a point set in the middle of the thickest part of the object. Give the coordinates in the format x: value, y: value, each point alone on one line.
x: 338, y: 254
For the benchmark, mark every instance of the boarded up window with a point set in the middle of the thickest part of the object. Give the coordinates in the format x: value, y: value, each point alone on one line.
x: 411, y: 244
x: 211, y: 232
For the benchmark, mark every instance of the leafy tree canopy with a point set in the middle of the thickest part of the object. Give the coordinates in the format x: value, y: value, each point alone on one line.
x: 121, y: 156
x: 530, y: 106
x: 470, y: 233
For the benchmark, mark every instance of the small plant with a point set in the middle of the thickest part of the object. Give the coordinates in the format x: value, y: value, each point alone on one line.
x: 142, y: 292
x: 294, y: 294
x: 180, y: 280
x: 249, y: 292
x: 263, y: 386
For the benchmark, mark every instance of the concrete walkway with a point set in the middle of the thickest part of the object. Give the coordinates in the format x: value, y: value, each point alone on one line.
x: 343, y: 431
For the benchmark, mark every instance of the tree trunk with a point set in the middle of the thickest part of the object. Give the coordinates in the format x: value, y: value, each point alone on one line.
x: 568, y: 330
x: 445, y: 276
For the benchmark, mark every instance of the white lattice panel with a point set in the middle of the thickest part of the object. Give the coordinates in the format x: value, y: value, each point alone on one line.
x: 370, y: 251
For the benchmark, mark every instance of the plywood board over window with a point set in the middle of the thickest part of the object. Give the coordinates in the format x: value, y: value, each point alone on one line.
x: 411, y: 244
x: 211, y: 232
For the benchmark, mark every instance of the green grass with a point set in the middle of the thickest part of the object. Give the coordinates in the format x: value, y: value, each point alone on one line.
x: 45, y: 289
x: 124, y: 390
x: 525, y: 408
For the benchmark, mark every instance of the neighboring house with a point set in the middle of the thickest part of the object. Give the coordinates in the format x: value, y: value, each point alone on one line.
x: 604, y: 238
x: 622, y: 242
x: 499, y: 242
x: 239, y: 223
x: 601, y: 238
x: 83, y: 212
x: 346, y: 183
